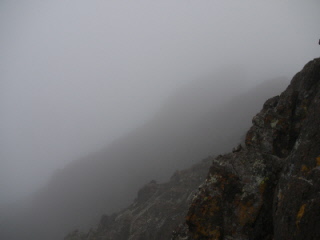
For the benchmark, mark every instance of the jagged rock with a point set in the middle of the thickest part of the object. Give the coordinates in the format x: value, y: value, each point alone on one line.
x: 270, y: 189
x: 156, y: 212
x: 237, y: 148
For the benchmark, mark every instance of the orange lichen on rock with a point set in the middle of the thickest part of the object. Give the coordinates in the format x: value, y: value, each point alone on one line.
x: 215, y: 234
x: 304, y: 168
x: 210, y: 208
x: 318, y: 161
x: 246, y: 213
x: 213, y: 207
x: 300, y: 214
x: 263, y: 185
x: 211, y: 234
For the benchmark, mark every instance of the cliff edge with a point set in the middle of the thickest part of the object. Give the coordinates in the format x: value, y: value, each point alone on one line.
x: 270, y: 189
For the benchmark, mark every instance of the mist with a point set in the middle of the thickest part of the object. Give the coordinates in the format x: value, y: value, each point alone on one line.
x: 77, y: 76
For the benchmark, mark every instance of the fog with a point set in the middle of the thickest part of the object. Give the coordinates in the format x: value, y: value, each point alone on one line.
x: 78, y: 75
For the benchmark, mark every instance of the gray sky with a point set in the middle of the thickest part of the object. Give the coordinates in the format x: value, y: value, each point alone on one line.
x: 75, y: 75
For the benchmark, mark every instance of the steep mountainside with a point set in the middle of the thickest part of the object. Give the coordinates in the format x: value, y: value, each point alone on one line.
x: 155, y: 213
x: 203, y: 119
x: 267, y: 189
x: 271, y: 188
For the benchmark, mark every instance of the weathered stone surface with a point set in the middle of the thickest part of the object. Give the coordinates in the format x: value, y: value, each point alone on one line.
x: 156, y: 212
x: 270, y: 189
x: 297, y: 200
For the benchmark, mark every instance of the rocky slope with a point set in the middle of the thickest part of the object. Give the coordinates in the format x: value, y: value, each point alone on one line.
x: 271, y: 188
x: 267, y: 189
x: 155, y: 213
x: 204, y: 118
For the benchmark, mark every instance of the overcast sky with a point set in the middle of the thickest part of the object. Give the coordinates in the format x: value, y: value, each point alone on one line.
x: 75, y: 75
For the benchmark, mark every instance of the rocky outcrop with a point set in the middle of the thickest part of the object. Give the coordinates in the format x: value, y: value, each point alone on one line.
x: 270, y: 188
x: 156, y: 211
x: 266, y: 189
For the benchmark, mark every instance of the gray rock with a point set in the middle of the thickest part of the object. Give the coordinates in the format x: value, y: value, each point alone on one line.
x: 155, y: 213
x: 267, y: 190
x: 271, y: 189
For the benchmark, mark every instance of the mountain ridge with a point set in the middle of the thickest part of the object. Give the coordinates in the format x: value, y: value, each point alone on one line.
x: 266, y: 189
x: 78, y: 195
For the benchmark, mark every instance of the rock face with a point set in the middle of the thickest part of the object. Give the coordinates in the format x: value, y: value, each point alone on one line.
x: 155, y: 213
x: 270, y: 189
